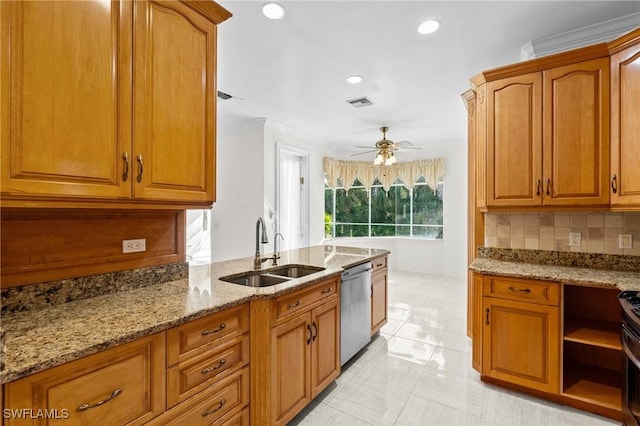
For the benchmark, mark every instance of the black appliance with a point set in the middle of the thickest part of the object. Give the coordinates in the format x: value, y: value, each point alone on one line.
x: 630, y: 301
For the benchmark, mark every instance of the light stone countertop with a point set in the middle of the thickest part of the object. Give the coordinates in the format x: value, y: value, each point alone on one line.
x: 621, y: 280
x: 43, y: 338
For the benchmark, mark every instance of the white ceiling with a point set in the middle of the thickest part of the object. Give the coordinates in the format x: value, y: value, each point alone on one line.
x: 293, y: 71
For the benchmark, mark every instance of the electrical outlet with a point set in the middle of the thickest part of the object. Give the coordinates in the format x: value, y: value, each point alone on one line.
x: 575, y: 239
x: 134, y: 246
x: 625, y: 241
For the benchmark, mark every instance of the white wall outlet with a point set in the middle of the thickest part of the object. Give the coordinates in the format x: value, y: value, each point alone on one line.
x: 625, y: 241
x: 134, y: 246
x: 575, y: 239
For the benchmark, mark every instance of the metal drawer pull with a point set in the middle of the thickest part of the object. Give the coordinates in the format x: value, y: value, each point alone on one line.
x: 487, y: 321
x: 326, y: 290
x: 310, y: 334
x: 548, y: 186
x: 220, y: 405
x: 538, y: 187
x: 139, y: 178
x: 316, y: 331
x: 85, y: 406
x: 215, y: 330
x: 125, y: 173
x: 526, y: 290
x: 614, y: 184
x: 293, y: 305
x: 208, y: 370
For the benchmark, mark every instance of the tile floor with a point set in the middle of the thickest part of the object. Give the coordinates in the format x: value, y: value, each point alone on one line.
x: 418, y: 371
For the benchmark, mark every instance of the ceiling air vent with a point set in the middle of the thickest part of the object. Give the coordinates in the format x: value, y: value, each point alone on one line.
x: 360, y: 102
x: 224, y: 96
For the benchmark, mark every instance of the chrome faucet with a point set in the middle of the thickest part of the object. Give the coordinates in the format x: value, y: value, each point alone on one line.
x: 257, y: 261
x: 276, y: 254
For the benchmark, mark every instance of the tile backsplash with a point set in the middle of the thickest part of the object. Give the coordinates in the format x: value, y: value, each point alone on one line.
x: 550, y: 231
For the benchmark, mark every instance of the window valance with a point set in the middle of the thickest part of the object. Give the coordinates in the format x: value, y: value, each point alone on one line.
x: 408, y: 172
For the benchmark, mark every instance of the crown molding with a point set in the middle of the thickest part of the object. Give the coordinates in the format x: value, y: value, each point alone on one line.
x: 580, y: 37
x: 242, y: 125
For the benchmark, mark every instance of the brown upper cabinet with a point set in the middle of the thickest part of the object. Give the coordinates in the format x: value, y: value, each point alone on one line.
x: 547, y: 137
x: 625, y: 121
x: 109, y: 101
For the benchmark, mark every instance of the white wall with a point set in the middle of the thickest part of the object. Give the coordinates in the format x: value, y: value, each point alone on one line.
x: 246, y: 189
x: 444, y: 257
x: 239, y: 191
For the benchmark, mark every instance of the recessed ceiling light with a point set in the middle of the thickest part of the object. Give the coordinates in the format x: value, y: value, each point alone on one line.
x: 354, y: 79
x: 428, y: 27
x: 273, y: 10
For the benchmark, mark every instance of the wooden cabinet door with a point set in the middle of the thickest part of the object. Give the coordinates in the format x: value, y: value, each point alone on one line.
x: 521, y: 343
x: 290, y: 367
x: 123, y: 385
x: 576, y: 134
x: 514, y: 141
x: 378, y: 300
x: 325, y: 345
x: 65, y: 94
x: 174, y: 103
x: 625, y: 126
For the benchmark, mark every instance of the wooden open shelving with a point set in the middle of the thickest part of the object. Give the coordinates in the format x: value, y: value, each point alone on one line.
x: 605, y: 334
x: 593, y: 385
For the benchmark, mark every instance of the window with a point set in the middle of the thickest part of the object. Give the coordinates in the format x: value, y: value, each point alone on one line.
x: 400, y: 212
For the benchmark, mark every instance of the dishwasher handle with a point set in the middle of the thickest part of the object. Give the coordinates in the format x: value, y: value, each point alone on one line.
x: 347, y: 277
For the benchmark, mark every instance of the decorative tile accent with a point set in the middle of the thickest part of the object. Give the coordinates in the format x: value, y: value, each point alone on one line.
x: 37, y: 296
x: 550, y: 231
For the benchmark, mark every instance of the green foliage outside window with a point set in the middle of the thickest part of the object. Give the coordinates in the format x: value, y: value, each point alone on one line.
x: 400, y: 212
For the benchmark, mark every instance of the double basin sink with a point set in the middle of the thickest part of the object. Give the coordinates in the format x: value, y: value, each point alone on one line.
x: 271, y: 276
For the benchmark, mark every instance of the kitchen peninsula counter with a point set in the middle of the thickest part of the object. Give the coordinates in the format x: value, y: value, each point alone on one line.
x: 38, y: 339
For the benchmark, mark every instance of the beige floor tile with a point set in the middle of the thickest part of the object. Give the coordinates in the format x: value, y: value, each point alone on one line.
x: 421, y: 412
x: 454, y: 391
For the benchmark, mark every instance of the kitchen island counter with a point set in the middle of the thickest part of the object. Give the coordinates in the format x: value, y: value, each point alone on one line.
x: 39, y: 339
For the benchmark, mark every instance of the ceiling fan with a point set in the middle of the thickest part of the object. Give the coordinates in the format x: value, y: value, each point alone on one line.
x: 386, y: 149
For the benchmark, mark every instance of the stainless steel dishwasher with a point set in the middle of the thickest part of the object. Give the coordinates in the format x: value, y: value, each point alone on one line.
x: 355, y: 310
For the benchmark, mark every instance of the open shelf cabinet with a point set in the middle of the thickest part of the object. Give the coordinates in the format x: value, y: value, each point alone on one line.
x: 592, y: 351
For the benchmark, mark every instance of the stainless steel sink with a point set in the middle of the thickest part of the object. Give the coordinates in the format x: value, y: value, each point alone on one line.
x: 269, y: 277
x: 295, y: 271
x: 254, y: 279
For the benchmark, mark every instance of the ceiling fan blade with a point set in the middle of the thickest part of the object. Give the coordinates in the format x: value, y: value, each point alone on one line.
x: 398, y: 143
x: 409, y: 147
x: 367, y: 147
x: 365, y: 152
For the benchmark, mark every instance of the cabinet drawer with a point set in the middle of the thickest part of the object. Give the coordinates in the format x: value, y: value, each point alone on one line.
x: 239, y: 419
x: 302, y: 300
x: 541, y: 292
x: 123, y: 385
x: 191, y: 376
x: 213, y: 404
x: 378, y: 264
x: 198, y: 336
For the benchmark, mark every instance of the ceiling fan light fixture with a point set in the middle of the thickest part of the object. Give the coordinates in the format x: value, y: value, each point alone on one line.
x: 273, y: 10
x: 391, y: 159
x: 380, y: 159
x: 428, y: 27
x: 354, y: 79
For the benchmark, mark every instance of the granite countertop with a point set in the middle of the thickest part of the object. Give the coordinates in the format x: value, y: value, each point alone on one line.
x: 38, y: 339
x: 590, y: 270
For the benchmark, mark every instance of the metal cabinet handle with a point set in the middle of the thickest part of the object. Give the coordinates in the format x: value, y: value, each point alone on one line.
x: 125, y: 173
x: 208, y: 370
x: 86, y: 406
x: 213, y: 410
x: 326, y: 290
x: 215, y: 330
x: 293, y: 305
x: 315, y: 334
x: 548, y: 186
x: 139, y: 178
x: 487, y: 320
x: 538, y: 187
x: 614, y: 184
x: 524, y: 290
x: 310, y: 334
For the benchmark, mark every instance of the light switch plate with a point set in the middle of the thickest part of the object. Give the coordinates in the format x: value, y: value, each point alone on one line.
x: 575, y: 239
x: 625, y: 241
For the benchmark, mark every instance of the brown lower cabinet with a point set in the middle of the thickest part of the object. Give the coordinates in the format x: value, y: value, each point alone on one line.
x: 378, y: 294
x: 557, y: 341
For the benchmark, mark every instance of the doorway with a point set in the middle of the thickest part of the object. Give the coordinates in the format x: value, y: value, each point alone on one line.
x: 292, y: 197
